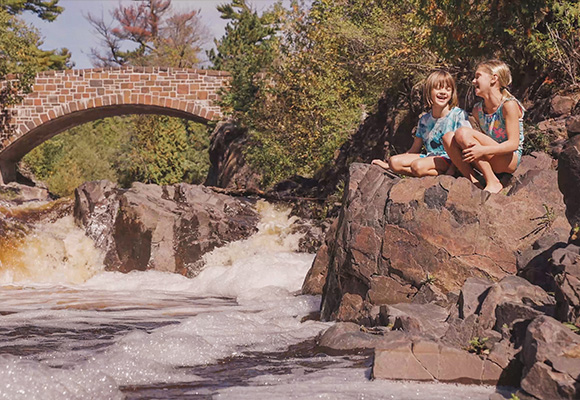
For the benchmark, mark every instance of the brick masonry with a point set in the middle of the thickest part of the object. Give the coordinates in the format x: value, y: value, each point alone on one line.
x: 71, y: 93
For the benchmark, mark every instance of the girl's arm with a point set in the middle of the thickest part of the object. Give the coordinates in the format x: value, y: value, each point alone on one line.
x: 416, y: 147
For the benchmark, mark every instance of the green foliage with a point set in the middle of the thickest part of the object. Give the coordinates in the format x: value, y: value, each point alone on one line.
x: 332, y: 63
x: 85, y: 153
x: 19, y: 44
x: 573, y: 327
x: 478, y: 346
x: 47, y: 10
x: 536, y: 140
x: 120, y: 150
x: 248, y: 47
x: 165, y: 151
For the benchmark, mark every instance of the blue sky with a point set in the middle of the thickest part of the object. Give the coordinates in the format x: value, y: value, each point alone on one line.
x: 73, y: 31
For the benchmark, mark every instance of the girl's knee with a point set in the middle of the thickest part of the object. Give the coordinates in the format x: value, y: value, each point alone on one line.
x: 448, y: 139
x: 417, y: 168
x: 463, y: 136
x: 395, y: 163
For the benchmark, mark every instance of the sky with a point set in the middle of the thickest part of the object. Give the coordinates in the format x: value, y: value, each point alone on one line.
x: 73, y: 31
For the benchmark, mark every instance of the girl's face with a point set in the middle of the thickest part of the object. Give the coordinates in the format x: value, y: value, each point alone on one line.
x: 483, y: 81
x: 441, y: 96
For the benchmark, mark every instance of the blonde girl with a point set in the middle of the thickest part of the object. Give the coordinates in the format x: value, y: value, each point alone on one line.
x: 441, y: 95
x: 497, y: 146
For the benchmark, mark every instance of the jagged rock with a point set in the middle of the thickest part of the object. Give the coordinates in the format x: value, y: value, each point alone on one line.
x: 569, y: 184
x: 471, y: 297
x: 566, y: 266
x: 573, y: 125
x: 228, y: 167
x: 425, y: 360
x: 513, y: 289
x: 393, y: 235
x: 430, y: 293
x: 561, y: 105
x: 551, y: 360
x: 428, y: 320
x: 165, y: 228
x: 347, y: 336
x: 16, y: 193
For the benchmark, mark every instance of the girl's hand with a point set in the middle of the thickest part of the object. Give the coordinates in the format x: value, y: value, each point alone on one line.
x: 473, y: 153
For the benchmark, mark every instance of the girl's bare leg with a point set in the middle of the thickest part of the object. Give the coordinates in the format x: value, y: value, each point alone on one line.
x: 429, y: 166
x: 454, y: 151
x: 465, y: 137
x: 401, y: 164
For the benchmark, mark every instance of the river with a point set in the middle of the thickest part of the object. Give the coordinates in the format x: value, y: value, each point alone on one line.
x: 239, y: 330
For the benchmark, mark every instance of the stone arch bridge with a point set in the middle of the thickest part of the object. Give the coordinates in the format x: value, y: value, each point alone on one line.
x: 61, y: 100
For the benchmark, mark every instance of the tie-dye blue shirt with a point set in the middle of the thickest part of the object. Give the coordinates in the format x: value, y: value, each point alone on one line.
x: 431, y: 129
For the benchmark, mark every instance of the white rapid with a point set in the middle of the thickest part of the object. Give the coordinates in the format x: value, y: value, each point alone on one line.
x: 70, y: 330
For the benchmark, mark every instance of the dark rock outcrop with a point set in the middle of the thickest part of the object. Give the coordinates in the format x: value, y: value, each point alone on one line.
x: 165, y: 228
x: 569, y: 184
x: 395, y: 235
x: 228, y: 167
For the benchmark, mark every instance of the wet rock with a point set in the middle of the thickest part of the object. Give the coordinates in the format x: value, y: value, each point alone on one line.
x: 347, y: 336
x: 551, y: 359
x: 165, y: 228
x: 393, y: 236
x: 16, y: 193
x: 426, y: 360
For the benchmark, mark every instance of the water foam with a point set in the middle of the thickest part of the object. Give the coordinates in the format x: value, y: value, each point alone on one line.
x: 57, y: 252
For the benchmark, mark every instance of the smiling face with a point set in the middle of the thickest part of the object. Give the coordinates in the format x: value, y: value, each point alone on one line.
x: 441, y: 95
x: 483, y: 81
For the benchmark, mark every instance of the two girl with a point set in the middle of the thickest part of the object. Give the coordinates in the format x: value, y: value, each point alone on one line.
x: 495, y: 148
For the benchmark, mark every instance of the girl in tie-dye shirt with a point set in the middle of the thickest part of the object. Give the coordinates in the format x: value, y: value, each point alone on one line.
x: 497, y: 147
x: 444, y: 116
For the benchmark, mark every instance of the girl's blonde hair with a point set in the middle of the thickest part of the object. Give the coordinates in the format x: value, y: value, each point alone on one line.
x: 503, y: 73
x: 439, y: 79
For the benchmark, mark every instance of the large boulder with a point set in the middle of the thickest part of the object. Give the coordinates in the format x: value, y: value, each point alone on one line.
x: 551, y: 359
x: 165, y: 228
x: 228, y: 166
x: 395, y: 235
x: 569, y: 183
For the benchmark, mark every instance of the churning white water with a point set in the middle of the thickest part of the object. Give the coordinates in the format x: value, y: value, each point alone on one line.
x: 70, y: 330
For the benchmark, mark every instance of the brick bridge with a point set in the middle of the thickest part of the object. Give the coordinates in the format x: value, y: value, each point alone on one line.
x: 61, y: 100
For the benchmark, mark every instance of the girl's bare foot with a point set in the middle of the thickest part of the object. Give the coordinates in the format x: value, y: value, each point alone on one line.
x: 494, y: 187
x: 381, y: 164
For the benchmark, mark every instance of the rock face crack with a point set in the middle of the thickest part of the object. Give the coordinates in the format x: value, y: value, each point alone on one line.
x: 421, y: 364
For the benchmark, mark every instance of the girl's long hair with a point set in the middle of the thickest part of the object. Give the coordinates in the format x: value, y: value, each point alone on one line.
x: 503, y: 73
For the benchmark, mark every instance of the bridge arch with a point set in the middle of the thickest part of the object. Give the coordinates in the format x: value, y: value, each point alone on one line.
x: 61, y: 100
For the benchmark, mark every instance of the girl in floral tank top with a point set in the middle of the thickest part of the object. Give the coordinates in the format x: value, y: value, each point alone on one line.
x: 493, y: 125
x: 498, y: 147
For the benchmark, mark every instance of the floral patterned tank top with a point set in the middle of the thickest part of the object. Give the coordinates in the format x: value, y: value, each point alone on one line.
x: 493, y: 125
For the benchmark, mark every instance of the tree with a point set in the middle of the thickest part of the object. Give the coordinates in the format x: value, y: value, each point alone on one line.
x: 303, y: 79
x: 155, y: 36
x: 248, y: 47
x: 47, y: 10
x: 19, y: 47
